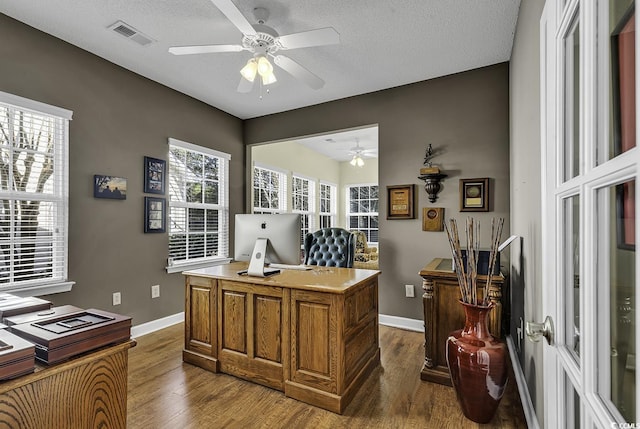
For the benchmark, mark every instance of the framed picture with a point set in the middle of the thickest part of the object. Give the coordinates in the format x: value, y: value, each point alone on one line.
x: 111, y: 187
x: 154, y: 214
x: 623, y: 46
x: 400, y: 202
x: 625, y: 215
x: 474, y: 195
x: 154, y: 172
x: 433, y: 219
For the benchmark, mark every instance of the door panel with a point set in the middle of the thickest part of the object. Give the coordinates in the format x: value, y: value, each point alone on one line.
x: 589, y: 205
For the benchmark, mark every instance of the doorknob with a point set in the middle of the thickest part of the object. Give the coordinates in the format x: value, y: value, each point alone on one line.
x: 535, y: 331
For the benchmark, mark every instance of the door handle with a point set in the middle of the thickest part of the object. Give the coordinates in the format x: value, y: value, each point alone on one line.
x: 535, y: 331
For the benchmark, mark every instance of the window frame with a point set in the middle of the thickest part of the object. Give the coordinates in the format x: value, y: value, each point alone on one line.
x: 332, y: 214
x: 59, y: 281
x: 283, y: 195
x: 350, y: 214
x: 222, y: 207
x: 311, y: 212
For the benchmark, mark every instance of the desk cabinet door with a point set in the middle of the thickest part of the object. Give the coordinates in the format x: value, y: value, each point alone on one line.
x: 314, y: 348
x: 200, y: 315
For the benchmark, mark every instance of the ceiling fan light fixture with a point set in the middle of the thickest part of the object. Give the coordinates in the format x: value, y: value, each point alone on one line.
x: 357, y: 161
x: 269, y: 79
x: 249, y: 70
x: 264, y: 66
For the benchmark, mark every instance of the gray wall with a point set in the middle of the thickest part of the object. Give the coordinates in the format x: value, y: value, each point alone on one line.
x: 526, y: 271
x: 119, y: 117
x: 465, y: 115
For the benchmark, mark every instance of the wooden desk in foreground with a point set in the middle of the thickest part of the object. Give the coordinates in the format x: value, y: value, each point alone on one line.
x: 87, y: 391
x: 311, y: 334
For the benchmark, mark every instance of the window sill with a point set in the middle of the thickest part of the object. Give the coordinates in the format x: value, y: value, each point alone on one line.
x: 39, y: 290
x: 184, y: 266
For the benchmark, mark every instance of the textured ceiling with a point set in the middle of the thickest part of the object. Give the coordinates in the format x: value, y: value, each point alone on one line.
x: 384, y: 43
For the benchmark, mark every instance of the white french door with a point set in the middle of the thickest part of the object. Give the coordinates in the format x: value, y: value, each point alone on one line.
x: 589, y: 70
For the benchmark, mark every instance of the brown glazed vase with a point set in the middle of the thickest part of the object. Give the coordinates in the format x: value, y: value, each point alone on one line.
x: 477, y: 364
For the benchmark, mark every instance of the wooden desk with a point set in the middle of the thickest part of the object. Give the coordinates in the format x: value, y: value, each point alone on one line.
x: 312, y: 334
x: 88, y: 391
x: 444, y: 314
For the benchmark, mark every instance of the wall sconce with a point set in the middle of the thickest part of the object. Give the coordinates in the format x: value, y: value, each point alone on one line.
x: 431, y: 175
x: 432, y: 184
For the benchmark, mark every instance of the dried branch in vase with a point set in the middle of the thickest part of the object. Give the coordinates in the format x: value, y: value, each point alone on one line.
x: 468, y: 273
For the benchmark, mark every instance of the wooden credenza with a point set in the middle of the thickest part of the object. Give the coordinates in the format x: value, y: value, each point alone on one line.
x: 88, y: 391
x: 311, y: 334
x: 444, y: 314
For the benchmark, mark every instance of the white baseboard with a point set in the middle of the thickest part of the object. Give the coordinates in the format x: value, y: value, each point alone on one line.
x: 155, y: 325
x: 525, y: 398
x: 401, y: 322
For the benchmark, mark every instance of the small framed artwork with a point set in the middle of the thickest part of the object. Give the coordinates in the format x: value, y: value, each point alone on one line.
x: 400, y: 202
x: 154, y: 172
x: 474, y: 195
x: 433, y: 219
x: 154, y: 214
x: 626, y: 215
x: 111, y: 187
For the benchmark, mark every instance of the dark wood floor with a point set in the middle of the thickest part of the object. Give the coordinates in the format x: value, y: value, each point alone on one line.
x: 164, y: 392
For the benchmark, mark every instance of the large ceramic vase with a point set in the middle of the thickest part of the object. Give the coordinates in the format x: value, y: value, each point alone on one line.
x: 477, y: 364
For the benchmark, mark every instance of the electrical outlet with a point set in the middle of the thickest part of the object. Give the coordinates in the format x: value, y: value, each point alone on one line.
x: 155, y: 291
x: 117, y: 298
x: 409, y: 291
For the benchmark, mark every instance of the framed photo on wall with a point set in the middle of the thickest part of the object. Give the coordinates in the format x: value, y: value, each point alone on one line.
x: 154, y: 174
x: 154, y: 214
x: 400, y: 202
x: 111, y: 187
x: 474, y: 195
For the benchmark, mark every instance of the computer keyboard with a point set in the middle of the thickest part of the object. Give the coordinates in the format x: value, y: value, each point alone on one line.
x: 290, y: 267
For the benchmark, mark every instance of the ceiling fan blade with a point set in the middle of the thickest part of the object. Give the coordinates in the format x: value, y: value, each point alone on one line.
x: 204, y: 49
x: 297, y: 71
x: 319, y: 37
x: 234, y: 15
x: 245, y: 86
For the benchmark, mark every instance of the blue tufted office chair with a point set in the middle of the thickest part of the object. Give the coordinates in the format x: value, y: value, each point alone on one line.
x: 331, y: 247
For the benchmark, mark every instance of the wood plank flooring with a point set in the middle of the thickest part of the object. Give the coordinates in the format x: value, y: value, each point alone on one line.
x: 164, y: 392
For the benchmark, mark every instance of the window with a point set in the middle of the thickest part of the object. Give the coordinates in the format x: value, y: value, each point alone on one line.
x: 34, y: 189
x: 362, y: 210
x: 198, y: 203
x: 327, y: 205
x: 269, y: 190
x: 303, y: 196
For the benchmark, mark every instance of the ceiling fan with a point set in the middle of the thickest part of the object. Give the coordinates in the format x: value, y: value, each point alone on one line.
x: 265, y: 42
x: 359, y: 153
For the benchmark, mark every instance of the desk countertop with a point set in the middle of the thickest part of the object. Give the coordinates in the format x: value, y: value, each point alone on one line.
x: 321, y: 279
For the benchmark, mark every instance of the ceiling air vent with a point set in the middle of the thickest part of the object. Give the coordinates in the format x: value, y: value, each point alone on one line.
x: 130, y: 33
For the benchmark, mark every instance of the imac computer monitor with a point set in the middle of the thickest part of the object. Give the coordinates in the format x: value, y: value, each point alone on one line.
x: 265, y: 239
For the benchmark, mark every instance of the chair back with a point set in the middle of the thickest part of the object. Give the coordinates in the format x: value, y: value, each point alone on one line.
x: 331, y: 247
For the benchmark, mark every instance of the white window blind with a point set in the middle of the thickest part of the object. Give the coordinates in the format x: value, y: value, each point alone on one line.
x: 269, y: 190
x: 198, y: 203
x: 34, y: 186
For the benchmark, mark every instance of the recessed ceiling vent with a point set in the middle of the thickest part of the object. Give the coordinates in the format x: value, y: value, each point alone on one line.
x: 130, y: 33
